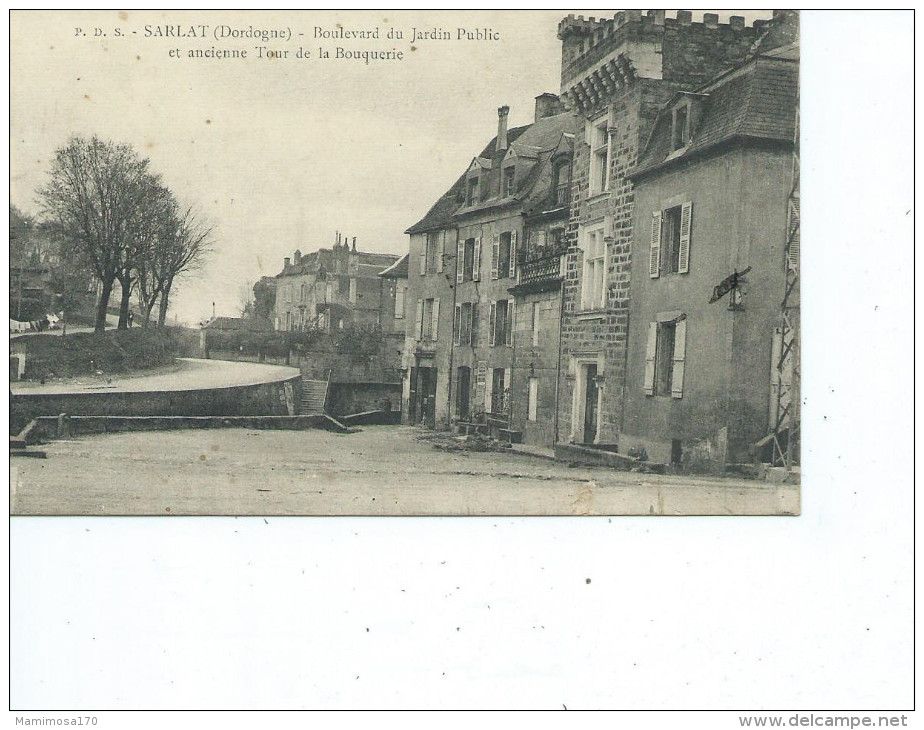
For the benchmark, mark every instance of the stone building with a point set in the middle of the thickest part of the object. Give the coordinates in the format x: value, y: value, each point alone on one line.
x: 461, y: 349
x: 617, y: 74
x: 711, y: 192
x: 331, y: 288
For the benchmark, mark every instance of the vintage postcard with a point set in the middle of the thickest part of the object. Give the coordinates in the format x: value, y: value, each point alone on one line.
x: 404, y: 263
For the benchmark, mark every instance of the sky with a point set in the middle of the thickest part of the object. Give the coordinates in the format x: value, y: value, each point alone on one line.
x: 278, y: 153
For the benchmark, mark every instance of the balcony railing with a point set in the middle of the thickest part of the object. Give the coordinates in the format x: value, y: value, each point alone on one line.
x: 544, y: 269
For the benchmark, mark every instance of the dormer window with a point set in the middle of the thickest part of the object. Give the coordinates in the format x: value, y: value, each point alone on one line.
x: 472, y: 197
x: 507, y: 188
x: 680, y: 133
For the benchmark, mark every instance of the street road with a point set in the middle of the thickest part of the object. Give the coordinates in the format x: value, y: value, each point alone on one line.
x: 382, y: 470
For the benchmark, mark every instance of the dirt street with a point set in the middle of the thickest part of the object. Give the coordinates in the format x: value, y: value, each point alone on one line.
x: 383, y: 470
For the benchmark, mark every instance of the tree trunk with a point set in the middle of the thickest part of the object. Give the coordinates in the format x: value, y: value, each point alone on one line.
x: 102, y: 306
x: 148, y: 307
x: 164, y: 303
x: 125, y: 303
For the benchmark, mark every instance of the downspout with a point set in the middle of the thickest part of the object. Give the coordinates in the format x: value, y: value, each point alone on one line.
x: 454, y: 286
x: 561, y: 322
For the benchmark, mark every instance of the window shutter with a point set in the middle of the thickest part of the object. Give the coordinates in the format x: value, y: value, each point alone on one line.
x: 492, y: 324
x: 794, y: 234
x: 488, y: 387
x: 495, y: 254
x: 650, y: 357
x: 680, y: 348
x: 435, y: 321
x: 418, y: 325
x: 507, y: 391
x: 686, y: 222
x: 654, y: 253
x: 440, y: 250
x: 457, y: 325
x: 423, y: 254
x: 509, y: 328
x: 460, y: 261
x: 474, y: 324
x: 513, y: 254
x: 476, y: 263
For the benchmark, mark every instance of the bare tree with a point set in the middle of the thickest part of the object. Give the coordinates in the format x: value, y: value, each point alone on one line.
x: 179, y: 242
x: 95, y: 194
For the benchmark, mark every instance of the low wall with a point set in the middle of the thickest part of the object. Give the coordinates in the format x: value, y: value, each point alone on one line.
x: 48, y: 427
x: 264, y: 399
x: 346, y: 398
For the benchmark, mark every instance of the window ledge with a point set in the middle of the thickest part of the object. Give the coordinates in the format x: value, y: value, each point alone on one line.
x: 593, y: 198
x: 590, y: 314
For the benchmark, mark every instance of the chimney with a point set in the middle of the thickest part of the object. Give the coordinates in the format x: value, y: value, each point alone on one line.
x: 285, y: 262
x: 297, y: 256
x: 502, y: 113
x: 354, y: 243
x: 547, y: 105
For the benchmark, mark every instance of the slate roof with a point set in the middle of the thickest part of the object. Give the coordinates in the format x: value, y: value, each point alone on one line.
x: 398, y: 270
x: 756, y: 101
x: 535, y: 140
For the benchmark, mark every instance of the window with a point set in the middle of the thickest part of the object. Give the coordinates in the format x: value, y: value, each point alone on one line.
x: 507, y: 183
x: 670, y: 240
x: 431, y: 257
x: 464, y: 325
x: 353, y: 290
x: 535, y: 323
x: 680, y: 134
x: 304, y: 292
x: 503, y: 255
x: 593, y: 287
x: 428, y: 316
x: 498, y: 392
x: 399, y: 301
x: 561, y: 184
x: 599, y: 156
x: 501, y: 323
x: 665, y: 356
x: 532, y: 405
x: 472, y: 196
x: 468, y: 260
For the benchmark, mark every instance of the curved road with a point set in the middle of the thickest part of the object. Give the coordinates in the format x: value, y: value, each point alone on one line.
x: 193, y: 374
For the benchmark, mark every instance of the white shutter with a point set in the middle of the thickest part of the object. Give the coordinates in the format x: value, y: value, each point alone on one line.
x: 423, y: 254
x: 650, y: 357
x: 440, y: 250
x: 457, y: 325
x: 476, y: 264
x: 418, y: 325
x: 794, y: 233
x: 507, y: 391
x: 492, y: 323
x: 513, y: 254
x: 686, y: 222
x: 680, y: 348
x: 488, y: 385
x: 509, y: 328
x: 460, y: 261
x: 654, y: 253
x: 435, y: 319
x: 495, y: 254
x: 473, y: 325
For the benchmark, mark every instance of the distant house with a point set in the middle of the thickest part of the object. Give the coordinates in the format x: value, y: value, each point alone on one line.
x: 330, y: 288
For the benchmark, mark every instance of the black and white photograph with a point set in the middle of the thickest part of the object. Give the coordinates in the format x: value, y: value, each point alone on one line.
x: 457, y: 360
x: 284, y: 301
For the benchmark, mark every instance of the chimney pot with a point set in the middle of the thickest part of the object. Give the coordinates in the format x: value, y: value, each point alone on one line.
x: 502, y: 113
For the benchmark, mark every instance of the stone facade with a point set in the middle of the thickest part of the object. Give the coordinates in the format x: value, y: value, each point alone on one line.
x: 616, y: 75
